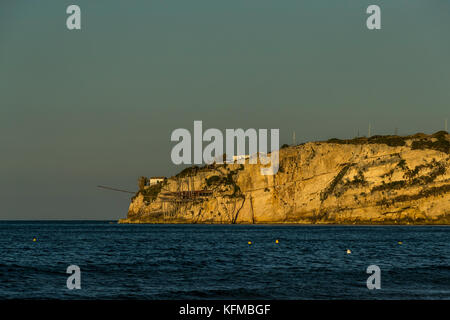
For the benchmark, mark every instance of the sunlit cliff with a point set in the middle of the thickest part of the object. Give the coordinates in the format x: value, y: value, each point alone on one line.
x: 377, y: 180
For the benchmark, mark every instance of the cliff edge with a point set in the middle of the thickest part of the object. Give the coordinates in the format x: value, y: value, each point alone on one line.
x: 377, y: 180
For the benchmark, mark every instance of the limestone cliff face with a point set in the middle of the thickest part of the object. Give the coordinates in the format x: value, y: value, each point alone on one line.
x: 380, y: 180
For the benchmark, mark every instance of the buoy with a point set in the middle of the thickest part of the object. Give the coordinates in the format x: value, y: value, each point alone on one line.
x: 349, y: 251
x: 400, y: 242
x: 34, y: 239
x: 249, y: 242
x: 276, y: 241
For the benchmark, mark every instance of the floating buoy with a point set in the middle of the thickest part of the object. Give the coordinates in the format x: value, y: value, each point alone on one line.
x: 249, y: 242
x: 400, y: 242
x: 34, y: 239
x: 349, y: 251
x: 276, y: 241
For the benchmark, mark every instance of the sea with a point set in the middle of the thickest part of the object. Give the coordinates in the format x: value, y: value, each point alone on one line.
x: 119, y: 261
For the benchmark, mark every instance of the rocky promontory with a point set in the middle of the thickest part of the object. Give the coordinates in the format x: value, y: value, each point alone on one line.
x: 376, y: 180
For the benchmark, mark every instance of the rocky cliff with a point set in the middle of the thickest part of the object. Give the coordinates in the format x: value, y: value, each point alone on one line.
x: 377, y: 180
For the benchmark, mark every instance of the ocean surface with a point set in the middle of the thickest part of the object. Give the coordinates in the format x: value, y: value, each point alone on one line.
x: 217, y: 262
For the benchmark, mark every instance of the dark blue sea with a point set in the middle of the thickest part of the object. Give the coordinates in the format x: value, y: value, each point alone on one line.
x: 216, y: 261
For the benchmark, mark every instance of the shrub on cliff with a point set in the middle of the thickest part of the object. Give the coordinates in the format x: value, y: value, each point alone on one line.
x: 441, y: 144
x: 337, y: 179
x: 392, y: 141
x: 212, y: 180
x: 142, y: 182
x: 152, y: 192
x: 440, y: 134
x: 188, y: 171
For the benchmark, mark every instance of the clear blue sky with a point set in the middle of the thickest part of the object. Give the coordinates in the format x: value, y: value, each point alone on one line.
x: 97, y: 106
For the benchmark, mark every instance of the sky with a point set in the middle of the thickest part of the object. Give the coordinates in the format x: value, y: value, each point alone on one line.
x: 97, y: 106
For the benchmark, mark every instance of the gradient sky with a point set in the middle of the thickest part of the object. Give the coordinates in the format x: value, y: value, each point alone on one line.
x: 97, y: 106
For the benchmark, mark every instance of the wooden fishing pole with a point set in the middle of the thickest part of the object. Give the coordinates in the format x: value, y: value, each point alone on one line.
x: 114, y: 189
